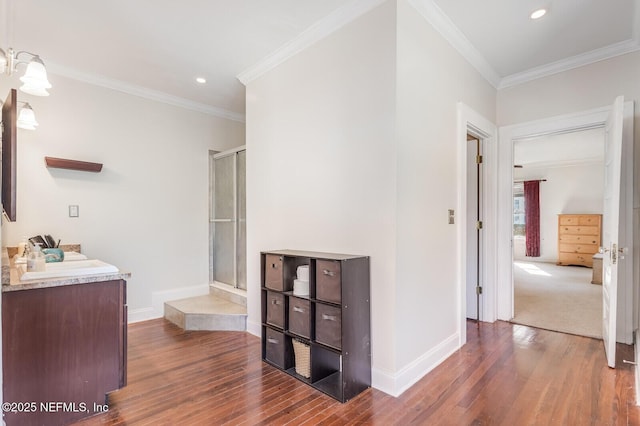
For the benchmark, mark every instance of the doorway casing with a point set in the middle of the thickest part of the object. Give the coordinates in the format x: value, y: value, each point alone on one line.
x: 472, y: 123
x: 504, y: 232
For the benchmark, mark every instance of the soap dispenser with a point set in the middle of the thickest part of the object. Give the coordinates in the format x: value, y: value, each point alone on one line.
x: 36, y: 261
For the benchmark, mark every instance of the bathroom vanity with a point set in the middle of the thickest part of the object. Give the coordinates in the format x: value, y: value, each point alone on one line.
x: 64, y: 346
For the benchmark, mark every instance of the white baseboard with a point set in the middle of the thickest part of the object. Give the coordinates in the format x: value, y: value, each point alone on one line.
x: 142, y: 314
x: 158, y: 298
x: 636, y: 351
x: 254, y: 328
x: 396, y: 384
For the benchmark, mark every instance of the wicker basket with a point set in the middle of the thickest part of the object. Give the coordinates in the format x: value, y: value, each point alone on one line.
x: 303, y: 354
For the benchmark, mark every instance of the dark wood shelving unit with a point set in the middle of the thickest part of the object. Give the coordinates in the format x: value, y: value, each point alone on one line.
x: 335, y: 314
x: 63, y: 163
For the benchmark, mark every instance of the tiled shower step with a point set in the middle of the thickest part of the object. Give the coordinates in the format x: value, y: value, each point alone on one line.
x: 229, y: 293
x: 206, y: 313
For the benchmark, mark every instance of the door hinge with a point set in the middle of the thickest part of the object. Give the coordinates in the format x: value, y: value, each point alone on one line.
x: 478, y: 290
x: 478, y: 159
x: 479, y: 224
x: 614, y: 254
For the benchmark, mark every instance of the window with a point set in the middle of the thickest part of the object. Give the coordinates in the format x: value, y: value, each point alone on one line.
x: 518, y: 210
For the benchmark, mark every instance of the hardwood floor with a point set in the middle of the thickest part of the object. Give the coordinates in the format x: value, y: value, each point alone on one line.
x: 506, y: 374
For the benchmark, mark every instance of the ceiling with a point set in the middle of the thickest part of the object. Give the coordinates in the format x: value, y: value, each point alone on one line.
x: 561, y: 149
x: 156, y: 48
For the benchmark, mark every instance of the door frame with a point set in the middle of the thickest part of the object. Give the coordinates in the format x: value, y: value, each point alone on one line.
x: 583, y: 120
x: 473, y: 123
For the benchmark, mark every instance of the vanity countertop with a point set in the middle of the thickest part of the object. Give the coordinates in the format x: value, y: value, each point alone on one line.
x: 11, y: 279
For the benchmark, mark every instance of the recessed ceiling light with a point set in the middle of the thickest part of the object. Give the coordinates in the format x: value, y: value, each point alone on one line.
x: 201, y: 80
x: 538, y: 13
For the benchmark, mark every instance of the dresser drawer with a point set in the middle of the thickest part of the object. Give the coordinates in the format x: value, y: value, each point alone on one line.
x: 328, y: 281
x: 300, y: 317
x: 575, y: 259
x: 274, y: 272
x: 275, y: 309
x: 578, y: 230
x: 328, y: 325
x: 578, y: 248
x: 593, y: 220
x: 278, y: 349
x: 569, y: 220
x: 579, y: 239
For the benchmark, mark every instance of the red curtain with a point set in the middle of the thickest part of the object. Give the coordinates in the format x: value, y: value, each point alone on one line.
x: 532, y: 217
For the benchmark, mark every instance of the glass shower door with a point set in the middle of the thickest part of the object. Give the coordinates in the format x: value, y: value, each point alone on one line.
x: 227, y: 221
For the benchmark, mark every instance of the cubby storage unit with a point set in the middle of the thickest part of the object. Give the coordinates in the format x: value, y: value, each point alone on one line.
x: 333, y: 322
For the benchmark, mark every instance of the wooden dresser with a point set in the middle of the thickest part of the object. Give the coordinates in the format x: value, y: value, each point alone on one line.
x: 578, y: 238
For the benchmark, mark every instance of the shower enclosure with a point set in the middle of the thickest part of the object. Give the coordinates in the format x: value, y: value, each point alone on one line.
x: 227, y: 218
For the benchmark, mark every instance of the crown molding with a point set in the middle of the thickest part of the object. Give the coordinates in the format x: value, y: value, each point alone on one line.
x: 441, y: 22
x: 607, y: 52
x: 142, y: 92
x: 311, y: 35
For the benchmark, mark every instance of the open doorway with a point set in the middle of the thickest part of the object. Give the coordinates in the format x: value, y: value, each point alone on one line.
x: 583, y: 120
x: 558, y: 189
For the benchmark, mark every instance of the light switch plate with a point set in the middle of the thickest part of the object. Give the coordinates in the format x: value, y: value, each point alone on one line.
x: 74, y: 211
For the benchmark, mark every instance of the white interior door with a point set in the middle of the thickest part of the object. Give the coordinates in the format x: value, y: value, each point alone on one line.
x: 613, y: 157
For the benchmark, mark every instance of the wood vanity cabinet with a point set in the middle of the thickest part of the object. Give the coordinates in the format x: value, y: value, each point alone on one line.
x: 64, y: 344
x: 333, y: 322
x: 578, y: 238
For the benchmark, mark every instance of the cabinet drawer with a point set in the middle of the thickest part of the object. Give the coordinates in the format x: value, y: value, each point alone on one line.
x: 328, y: 325
x: 277, y: 349
x: 579, y: 239
x: 273, y: 274
x: 569, y: 220
x: 578, y: 248
x: 328, y: 281
x: 275, y: 309
x: 575, y: 259
x: 578, y: 230
x: 593, y: 220
x: 300, y: 317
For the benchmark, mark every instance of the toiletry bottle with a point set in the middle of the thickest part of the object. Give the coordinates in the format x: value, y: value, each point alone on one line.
x: 36, y: 261
x: 22, y: 247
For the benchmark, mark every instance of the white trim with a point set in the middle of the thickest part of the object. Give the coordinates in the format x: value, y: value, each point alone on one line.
x: 228, y: 152
x: 607, y: 52
x: 321, y: 29
x: 396, y: 384
x: 142, y: 314
x: 636, y: 353
x: 549, y: 126
x: 254, y: 328
x: 158, y: 298
x: 441, y: 23
x: 469, y: 121
x: 142, y: 92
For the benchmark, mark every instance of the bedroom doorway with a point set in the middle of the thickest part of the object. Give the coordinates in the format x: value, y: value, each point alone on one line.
x: 583, y: 120
x: 555, y: 287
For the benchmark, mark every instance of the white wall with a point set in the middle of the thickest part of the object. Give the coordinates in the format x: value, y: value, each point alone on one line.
x: 432, y: 78
x: 577, y: 189
x: 329, y: 170
x: 321, y: 162
x: 147, y: 211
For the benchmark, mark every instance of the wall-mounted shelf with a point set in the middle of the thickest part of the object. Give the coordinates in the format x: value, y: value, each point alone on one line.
x: 62, y: 163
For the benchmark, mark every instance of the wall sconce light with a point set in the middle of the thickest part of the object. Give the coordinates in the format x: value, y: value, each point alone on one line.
x: 26, y: 118
x: 34, y: 80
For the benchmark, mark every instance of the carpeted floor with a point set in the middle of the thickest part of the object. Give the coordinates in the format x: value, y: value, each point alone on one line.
x: 558, y: 298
